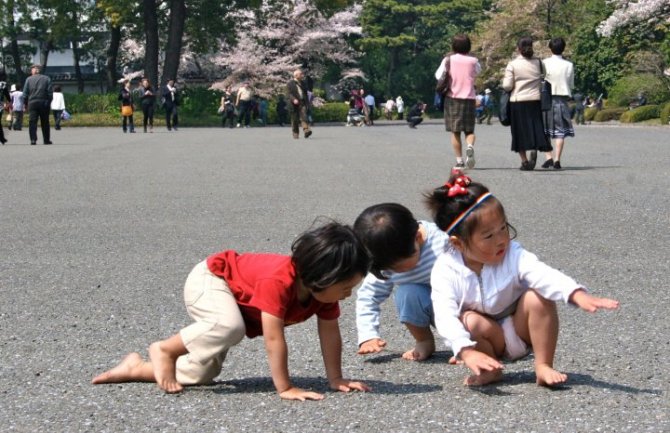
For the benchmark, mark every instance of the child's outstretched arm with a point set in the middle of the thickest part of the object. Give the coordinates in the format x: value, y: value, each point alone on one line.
x: 592, y: 303
x: 275, y: 346
x: 331, y: 349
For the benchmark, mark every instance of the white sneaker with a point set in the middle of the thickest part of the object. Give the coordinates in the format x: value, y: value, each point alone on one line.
x: 238, y: 125
x: 470, y: 157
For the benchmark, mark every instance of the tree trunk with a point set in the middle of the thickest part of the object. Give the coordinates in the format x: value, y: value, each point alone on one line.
x: 175, y: 34
x: 77, y: 67
x: 393, y: 62
x: 112, y: 56
x: 13, y: 43
x: 45, y: 49
x: 151, y: 33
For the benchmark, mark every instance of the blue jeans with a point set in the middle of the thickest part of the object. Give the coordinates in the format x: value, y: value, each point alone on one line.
x: 414, y: 305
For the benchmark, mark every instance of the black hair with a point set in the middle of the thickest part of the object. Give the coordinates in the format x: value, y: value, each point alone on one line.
x: 461, y: 44
x: 525, y: 46
x: 445, y: 209
x: 327, y: 255
x: 388, y: 231
x: 557, y: 45
x: 57, y: 88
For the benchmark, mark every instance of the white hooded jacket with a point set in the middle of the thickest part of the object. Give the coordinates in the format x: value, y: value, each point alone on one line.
x: 456, y: 288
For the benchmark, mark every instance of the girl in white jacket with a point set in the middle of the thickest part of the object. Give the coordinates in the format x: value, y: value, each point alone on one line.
x: 491, y: 298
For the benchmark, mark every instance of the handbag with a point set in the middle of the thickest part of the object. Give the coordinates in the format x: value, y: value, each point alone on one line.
x: 504, y: 114
x: 443, y: 84
x: 545, y: 90
x: 126, y: 110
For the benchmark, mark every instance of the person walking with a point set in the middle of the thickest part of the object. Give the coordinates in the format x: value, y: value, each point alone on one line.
x: 245, y: 96
x: 282, y: 110
x: 227, y: 109
x: 57, y: 106
x: 148, y: 101
x: 579, y: 108
x: 400, y: 107
x: 459, y: 102
x: 557, y: 122
x: 38, y: 94
x: 170, y: 99
x: 6, y: 100
x: 522, y: 78
x: 127, y: 107
x: 370, y: 102
x: 18, y: 107
x: 297, y: 96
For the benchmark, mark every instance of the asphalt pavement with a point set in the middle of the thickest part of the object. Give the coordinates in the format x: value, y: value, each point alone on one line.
x: 99, y: 231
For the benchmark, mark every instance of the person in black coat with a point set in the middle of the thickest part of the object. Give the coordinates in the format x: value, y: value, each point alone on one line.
x: 170, y: 99
x: 5, y: 99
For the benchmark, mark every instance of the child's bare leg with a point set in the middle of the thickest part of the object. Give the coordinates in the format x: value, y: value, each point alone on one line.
x: 424, y: 346
x: 536, y: 322
x: 163, y: 355
x: 490, y: 340
x: 131, y: 369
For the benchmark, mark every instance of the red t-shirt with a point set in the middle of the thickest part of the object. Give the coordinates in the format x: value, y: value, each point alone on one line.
x: 265, y: 282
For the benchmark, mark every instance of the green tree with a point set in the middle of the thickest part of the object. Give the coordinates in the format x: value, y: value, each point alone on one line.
x: 404, y: 41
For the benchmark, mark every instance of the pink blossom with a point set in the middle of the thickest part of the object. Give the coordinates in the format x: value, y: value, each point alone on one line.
x: 640, y: 12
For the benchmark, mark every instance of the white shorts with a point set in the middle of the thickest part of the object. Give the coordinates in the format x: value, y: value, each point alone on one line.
x: 515, y: 347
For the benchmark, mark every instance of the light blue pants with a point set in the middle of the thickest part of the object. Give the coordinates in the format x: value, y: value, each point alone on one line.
x: 414, y: 304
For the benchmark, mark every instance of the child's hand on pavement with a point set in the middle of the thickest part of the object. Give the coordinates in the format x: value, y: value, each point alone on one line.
x: 479, y: 362
x: 374, y: 345
x: 592, y: 303
x: 300, y: 394
x: 346, y: 385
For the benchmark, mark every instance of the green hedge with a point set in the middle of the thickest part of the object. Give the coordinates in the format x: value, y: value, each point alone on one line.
x: 609, y: 114
x: 665, y: 114
x: 89, y: 103
x: 111, y: 116
x: 627, y: 89
x: 590, y: 113
x: 639, y: 114
x: 331, y: 112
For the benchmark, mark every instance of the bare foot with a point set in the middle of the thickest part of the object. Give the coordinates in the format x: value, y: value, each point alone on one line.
x: 484, y: 378
x: 422, y: 351
x: 164, y: 369
x: 547, y: 376
x: 128, y: 370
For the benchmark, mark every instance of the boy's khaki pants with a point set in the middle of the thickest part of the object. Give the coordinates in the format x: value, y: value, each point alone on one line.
x: 218, y: 326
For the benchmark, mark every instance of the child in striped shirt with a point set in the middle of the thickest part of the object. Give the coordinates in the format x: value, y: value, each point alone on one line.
x: 403, y: 252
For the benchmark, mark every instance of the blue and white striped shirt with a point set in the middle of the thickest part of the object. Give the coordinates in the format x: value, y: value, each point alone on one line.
x: 374, y: 291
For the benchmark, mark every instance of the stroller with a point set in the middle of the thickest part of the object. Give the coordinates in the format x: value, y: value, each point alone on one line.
x: 355, y: 118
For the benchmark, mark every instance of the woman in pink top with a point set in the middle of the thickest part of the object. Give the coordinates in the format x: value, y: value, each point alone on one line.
x: 459, y: 103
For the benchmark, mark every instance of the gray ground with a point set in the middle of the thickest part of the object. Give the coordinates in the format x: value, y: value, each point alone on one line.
x: 99, y: 231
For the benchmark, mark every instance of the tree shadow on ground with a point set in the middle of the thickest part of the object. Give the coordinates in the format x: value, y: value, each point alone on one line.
x: 252, y: 385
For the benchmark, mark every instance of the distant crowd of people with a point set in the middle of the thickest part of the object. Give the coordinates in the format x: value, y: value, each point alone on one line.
x: 532, y: 125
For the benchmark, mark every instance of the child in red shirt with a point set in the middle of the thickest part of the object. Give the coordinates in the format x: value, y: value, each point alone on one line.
x: 231, y: 294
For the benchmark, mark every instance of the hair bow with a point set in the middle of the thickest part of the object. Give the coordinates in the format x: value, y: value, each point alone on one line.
x: 459, y: 186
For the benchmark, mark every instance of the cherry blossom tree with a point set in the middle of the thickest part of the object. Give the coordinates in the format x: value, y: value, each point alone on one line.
x: 278, y: 38
x: 646, y: 13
